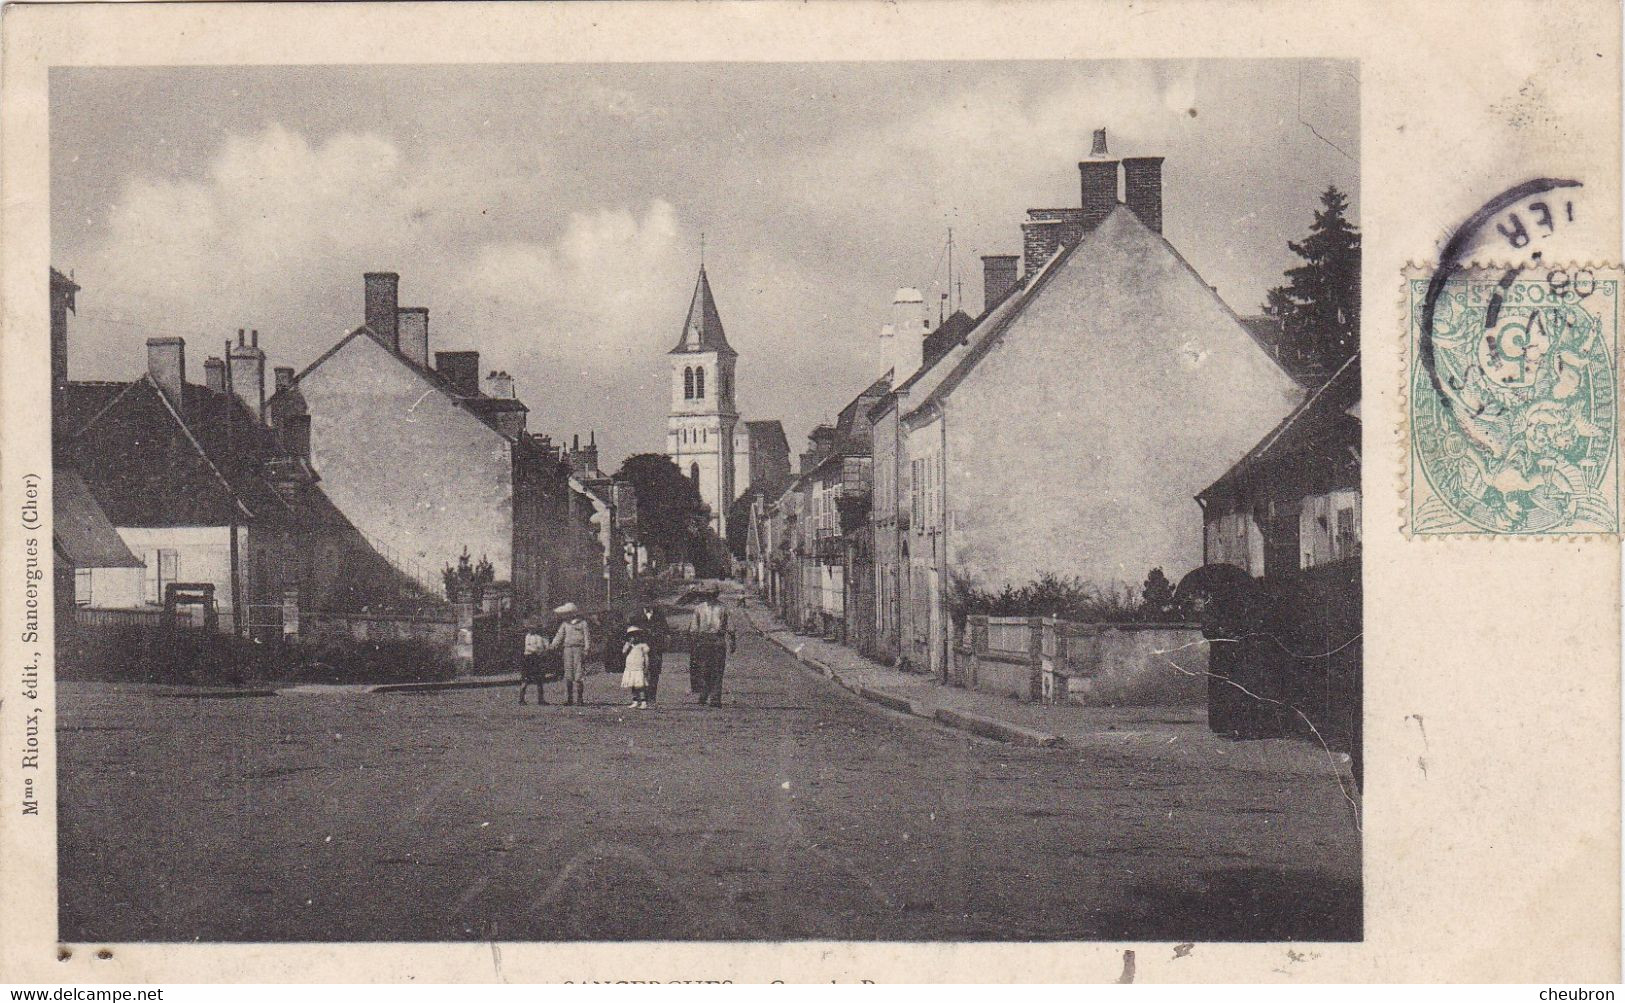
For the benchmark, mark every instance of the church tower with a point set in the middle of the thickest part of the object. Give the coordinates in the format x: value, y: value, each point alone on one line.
x: 700, y: 430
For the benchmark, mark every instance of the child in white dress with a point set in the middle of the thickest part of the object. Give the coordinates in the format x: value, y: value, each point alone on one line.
x: 635, y: 676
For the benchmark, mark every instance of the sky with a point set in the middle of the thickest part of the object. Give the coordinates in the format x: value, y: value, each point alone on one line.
x: 550, y: 216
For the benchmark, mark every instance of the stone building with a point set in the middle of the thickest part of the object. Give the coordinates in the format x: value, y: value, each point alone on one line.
x: 1069, y: 430
x: 203, y: 493
x: 428, y: 460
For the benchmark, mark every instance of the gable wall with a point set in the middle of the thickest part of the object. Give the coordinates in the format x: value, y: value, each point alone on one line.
x: 405, y: 464
x: 1077, y: 444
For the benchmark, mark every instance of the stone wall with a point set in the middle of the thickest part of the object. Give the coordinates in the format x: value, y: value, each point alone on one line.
x: 1095, y: 664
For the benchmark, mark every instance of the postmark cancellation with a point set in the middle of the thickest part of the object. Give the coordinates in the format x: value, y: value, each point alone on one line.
x: 1512, y: 401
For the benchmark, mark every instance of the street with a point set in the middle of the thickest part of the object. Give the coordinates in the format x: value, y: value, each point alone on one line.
x: 795, y: 812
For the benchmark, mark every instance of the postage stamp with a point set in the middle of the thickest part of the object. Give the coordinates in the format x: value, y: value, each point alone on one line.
x: 1513, y: 401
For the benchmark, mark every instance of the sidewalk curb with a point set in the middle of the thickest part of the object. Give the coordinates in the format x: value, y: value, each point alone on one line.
x: 341, y: 689
x: 202, y: 693
x: 987, y: 727
x: 976, y: 724
x: 891, y: 700
x: 452, y: 684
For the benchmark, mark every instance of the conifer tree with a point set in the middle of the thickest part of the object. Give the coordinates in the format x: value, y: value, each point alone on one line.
x: 1318, y: 308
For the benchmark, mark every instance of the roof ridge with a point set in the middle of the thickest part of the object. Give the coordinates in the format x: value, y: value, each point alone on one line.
x: 428, y: 375
x: 984, y: 344
x: 231, y: 490
x: 1302, y: 409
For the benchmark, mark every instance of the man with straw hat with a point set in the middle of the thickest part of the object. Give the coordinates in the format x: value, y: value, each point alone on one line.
x: 573, y: 638
x: 711, y: 637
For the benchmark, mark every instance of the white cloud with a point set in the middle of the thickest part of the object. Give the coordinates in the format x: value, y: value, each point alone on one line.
x: 278, y: 230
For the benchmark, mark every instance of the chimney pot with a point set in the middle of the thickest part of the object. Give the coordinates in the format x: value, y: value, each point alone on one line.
x: 284, y: 377
x: 382, y: 303
x: 254, y: 338
x: 246, y: 363
x: 499, y: 384
x: 1098, y: 149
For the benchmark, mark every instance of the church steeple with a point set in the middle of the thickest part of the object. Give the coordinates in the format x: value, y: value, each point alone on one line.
x: 704, y: 436
x: 702, y: 330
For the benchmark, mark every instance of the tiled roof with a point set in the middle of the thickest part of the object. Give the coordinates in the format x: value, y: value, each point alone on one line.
x: 76, y: 402
x: 82, y: 535
x: 150, y: 463
x: 768, y: 431
x: 702, y: 329
x: 1329, y: 405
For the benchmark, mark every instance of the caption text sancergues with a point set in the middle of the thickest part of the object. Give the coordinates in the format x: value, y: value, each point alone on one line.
x: 33, y: 588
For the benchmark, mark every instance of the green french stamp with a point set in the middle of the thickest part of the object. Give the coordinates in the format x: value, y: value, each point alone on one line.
x: 1513, y: 402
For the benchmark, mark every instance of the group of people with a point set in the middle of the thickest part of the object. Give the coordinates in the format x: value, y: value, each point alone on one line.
x: 643, y: 645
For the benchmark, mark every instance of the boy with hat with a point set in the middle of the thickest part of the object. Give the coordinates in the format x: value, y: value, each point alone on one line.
x: 573, y: 637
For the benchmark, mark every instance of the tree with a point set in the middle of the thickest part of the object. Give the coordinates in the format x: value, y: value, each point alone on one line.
x: 1319, y: 307
x: 671, y: 516
x: 1158, y: 594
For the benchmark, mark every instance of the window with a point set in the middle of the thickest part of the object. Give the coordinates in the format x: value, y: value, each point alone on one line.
x: 694, y: 473
x: 688, y: 383
x: 699, y: 383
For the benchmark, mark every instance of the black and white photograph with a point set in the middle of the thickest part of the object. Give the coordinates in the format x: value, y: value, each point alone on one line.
x: 851, y: 501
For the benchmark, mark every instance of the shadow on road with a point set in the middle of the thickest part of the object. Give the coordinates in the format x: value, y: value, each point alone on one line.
x: 1240, y: 904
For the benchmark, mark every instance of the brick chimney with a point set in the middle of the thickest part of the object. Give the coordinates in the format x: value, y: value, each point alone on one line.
x: 166, y: 364
x: 62, y: 290
x: 382, y: 306
x: 413, y: 328
x: 1045, y: 233
x: 1142, y: 189
x: 1099, y: 177
x: 247, y: 365
x: 214, y: 374
x: 461, y: 370
x: 284, y: 378
x: 998, y: 277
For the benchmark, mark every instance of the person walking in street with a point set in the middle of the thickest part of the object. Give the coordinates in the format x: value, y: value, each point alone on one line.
x: 533, y: 663
x: 574, y: 638
x: 653, y: 626
x: 634, y: 676
x: 711, y: 638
